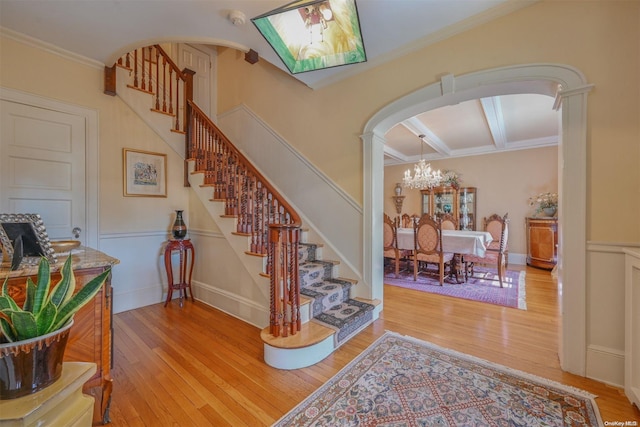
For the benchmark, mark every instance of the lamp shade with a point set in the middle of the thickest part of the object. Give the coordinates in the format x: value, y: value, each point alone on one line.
x: 314, y: 34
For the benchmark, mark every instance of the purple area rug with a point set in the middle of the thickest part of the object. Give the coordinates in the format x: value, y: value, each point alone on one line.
x: 479, y: 288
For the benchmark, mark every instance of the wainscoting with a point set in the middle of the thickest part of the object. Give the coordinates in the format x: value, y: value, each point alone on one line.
x: 632, y: 325
x: 605, y: 311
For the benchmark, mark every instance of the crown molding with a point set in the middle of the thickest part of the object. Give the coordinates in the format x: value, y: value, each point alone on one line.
x: 50, y: 48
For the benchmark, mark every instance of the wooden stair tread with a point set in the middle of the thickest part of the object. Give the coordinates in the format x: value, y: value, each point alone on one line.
x: 311, y: 333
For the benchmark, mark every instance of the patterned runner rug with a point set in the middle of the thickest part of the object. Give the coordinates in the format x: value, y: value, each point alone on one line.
x: 480, y: 288
x: 402, y: 381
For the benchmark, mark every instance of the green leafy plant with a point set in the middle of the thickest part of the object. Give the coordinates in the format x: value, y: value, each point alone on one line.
x: 45, y: 309
x: 543, y: 201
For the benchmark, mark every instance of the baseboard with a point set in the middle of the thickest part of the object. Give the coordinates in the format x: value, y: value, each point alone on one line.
x: 125, y: 301
x: 606, y: 365
x: 241, y: 308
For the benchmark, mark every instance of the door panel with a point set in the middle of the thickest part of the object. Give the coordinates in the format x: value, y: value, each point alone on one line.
x: 42, y: 155
x: 200, y: 62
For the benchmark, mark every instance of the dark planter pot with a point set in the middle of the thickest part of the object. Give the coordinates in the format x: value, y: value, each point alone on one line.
x: 31, y: 365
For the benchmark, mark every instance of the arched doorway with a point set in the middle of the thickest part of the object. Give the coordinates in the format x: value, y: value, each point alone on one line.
x: 570, y: 89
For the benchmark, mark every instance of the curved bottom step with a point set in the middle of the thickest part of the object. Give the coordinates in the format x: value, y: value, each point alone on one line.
x: 309, y: 346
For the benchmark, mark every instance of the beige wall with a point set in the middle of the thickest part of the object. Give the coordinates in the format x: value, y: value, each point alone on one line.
x: 595, y: 37
x: 504, y: 182
x: 35, y: 71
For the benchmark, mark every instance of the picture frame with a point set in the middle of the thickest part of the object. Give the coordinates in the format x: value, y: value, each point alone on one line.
x: 32, y: 232
x: 144, y: 173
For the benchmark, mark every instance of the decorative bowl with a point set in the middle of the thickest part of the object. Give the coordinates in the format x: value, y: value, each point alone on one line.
x: 64, y: 245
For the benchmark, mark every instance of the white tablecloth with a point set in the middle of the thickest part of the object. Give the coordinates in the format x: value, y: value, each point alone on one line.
x: 456, y: 241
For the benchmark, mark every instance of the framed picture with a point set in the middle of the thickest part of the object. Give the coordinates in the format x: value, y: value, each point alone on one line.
x: 24, y: 238
x: 145, y: 173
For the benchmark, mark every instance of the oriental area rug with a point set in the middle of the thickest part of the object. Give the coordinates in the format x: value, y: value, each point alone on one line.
x: 402, y: 381
x: 483, y: 287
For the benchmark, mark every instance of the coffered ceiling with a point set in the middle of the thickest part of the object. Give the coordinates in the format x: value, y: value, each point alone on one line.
x: 482, y: 126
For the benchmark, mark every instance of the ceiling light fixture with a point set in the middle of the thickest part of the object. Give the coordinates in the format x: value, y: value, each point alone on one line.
x: 423, y: 178
x: 237, y: 17
x: 311, y: 35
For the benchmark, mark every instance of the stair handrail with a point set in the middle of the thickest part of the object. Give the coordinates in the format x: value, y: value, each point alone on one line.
x: 260, y: 210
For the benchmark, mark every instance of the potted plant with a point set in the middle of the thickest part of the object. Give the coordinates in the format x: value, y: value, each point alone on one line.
x: 545, y: 202
x: 33, y: 336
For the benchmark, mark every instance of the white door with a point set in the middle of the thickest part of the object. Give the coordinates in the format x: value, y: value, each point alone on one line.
x: 42, y: 167
x: 200, y: 62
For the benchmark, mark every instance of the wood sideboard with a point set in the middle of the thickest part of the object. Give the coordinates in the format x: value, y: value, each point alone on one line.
x: 542, y: 242
x: 90, y: 339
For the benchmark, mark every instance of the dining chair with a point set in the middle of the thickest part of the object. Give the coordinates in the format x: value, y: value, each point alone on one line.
x: 493, y: 225
x: 449, y: 222
x: 491, y: 257
x: 390, y: 240
x: 428, y: 247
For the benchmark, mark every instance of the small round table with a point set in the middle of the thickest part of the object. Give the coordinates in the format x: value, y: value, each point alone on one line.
x: 187, y: 257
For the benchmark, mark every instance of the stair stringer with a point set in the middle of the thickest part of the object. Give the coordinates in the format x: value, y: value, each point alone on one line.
x: 240, y: 244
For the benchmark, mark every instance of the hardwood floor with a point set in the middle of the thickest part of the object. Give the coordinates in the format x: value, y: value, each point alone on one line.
x: 197, y: 366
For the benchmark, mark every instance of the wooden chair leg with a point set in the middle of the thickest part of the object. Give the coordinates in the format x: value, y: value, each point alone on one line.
x: 397, y: 266
x: 415, y: 268
x: 441, y: 273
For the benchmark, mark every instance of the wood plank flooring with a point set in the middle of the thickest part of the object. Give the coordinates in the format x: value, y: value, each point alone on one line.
x: 197, y: 366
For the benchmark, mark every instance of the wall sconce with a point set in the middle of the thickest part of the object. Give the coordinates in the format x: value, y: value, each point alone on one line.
x: 314, y: 34
x: 398, y: 198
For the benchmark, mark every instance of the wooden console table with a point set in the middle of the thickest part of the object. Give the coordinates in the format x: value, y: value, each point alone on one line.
x: 90, y: 339
x: 187, y: 256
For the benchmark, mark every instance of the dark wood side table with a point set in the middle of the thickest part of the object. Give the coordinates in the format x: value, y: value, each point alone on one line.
x: 187, y: 257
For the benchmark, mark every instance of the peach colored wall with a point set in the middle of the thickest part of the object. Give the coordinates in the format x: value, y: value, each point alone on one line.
x: 504, y: 182
x: 595, y: 37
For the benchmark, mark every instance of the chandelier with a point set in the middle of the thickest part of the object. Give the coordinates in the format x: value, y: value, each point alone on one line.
x: 424, y: 177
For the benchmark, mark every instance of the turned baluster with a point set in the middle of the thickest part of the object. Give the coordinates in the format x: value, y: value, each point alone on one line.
x: 143, y: 74
x: 177, y: 110
x: 157, y: 79
x: 135, y: 68
x: 164, y: 84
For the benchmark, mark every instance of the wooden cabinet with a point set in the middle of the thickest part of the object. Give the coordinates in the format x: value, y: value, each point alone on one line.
x: 542, y: 242
x: 440, y: 200
x: 467, y: 200
x: 90, y: 339
x: 461, y: 203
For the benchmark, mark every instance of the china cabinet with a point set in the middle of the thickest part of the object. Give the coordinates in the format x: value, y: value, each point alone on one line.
x: 467, y: 197
x: 440, y: 200
x: 542, y: 242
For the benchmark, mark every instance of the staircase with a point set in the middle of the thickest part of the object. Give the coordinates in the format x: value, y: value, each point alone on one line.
x: 312, y: 309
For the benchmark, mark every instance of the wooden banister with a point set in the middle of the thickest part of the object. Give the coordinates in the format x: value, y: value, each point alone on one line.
x: 154, y: 72
x: 262, y: 213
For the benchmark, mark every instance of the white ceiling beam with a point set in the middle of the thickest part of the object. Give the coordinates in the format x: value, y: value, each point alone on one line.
x: 418, y: 128
x: 492, y: 108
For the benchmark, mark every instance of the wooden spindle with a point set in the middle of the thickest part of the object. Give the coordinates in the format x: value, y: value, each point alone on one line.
x: 157, y: 79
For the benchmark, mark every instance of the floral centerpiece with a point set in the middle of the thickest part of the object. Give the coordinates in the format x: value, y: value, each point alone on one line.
x: 451, y: 178
x: 545, y: 202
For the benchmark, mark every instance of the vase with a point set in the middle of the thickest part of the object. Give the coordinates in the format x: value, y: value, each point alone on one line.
x: 549, y: 211
x: 179, y: 228
x: 31, y: 365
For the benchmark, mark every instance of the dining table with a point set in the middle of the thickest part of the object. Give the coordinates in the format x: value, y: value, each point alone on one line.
x: 458, y: 242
